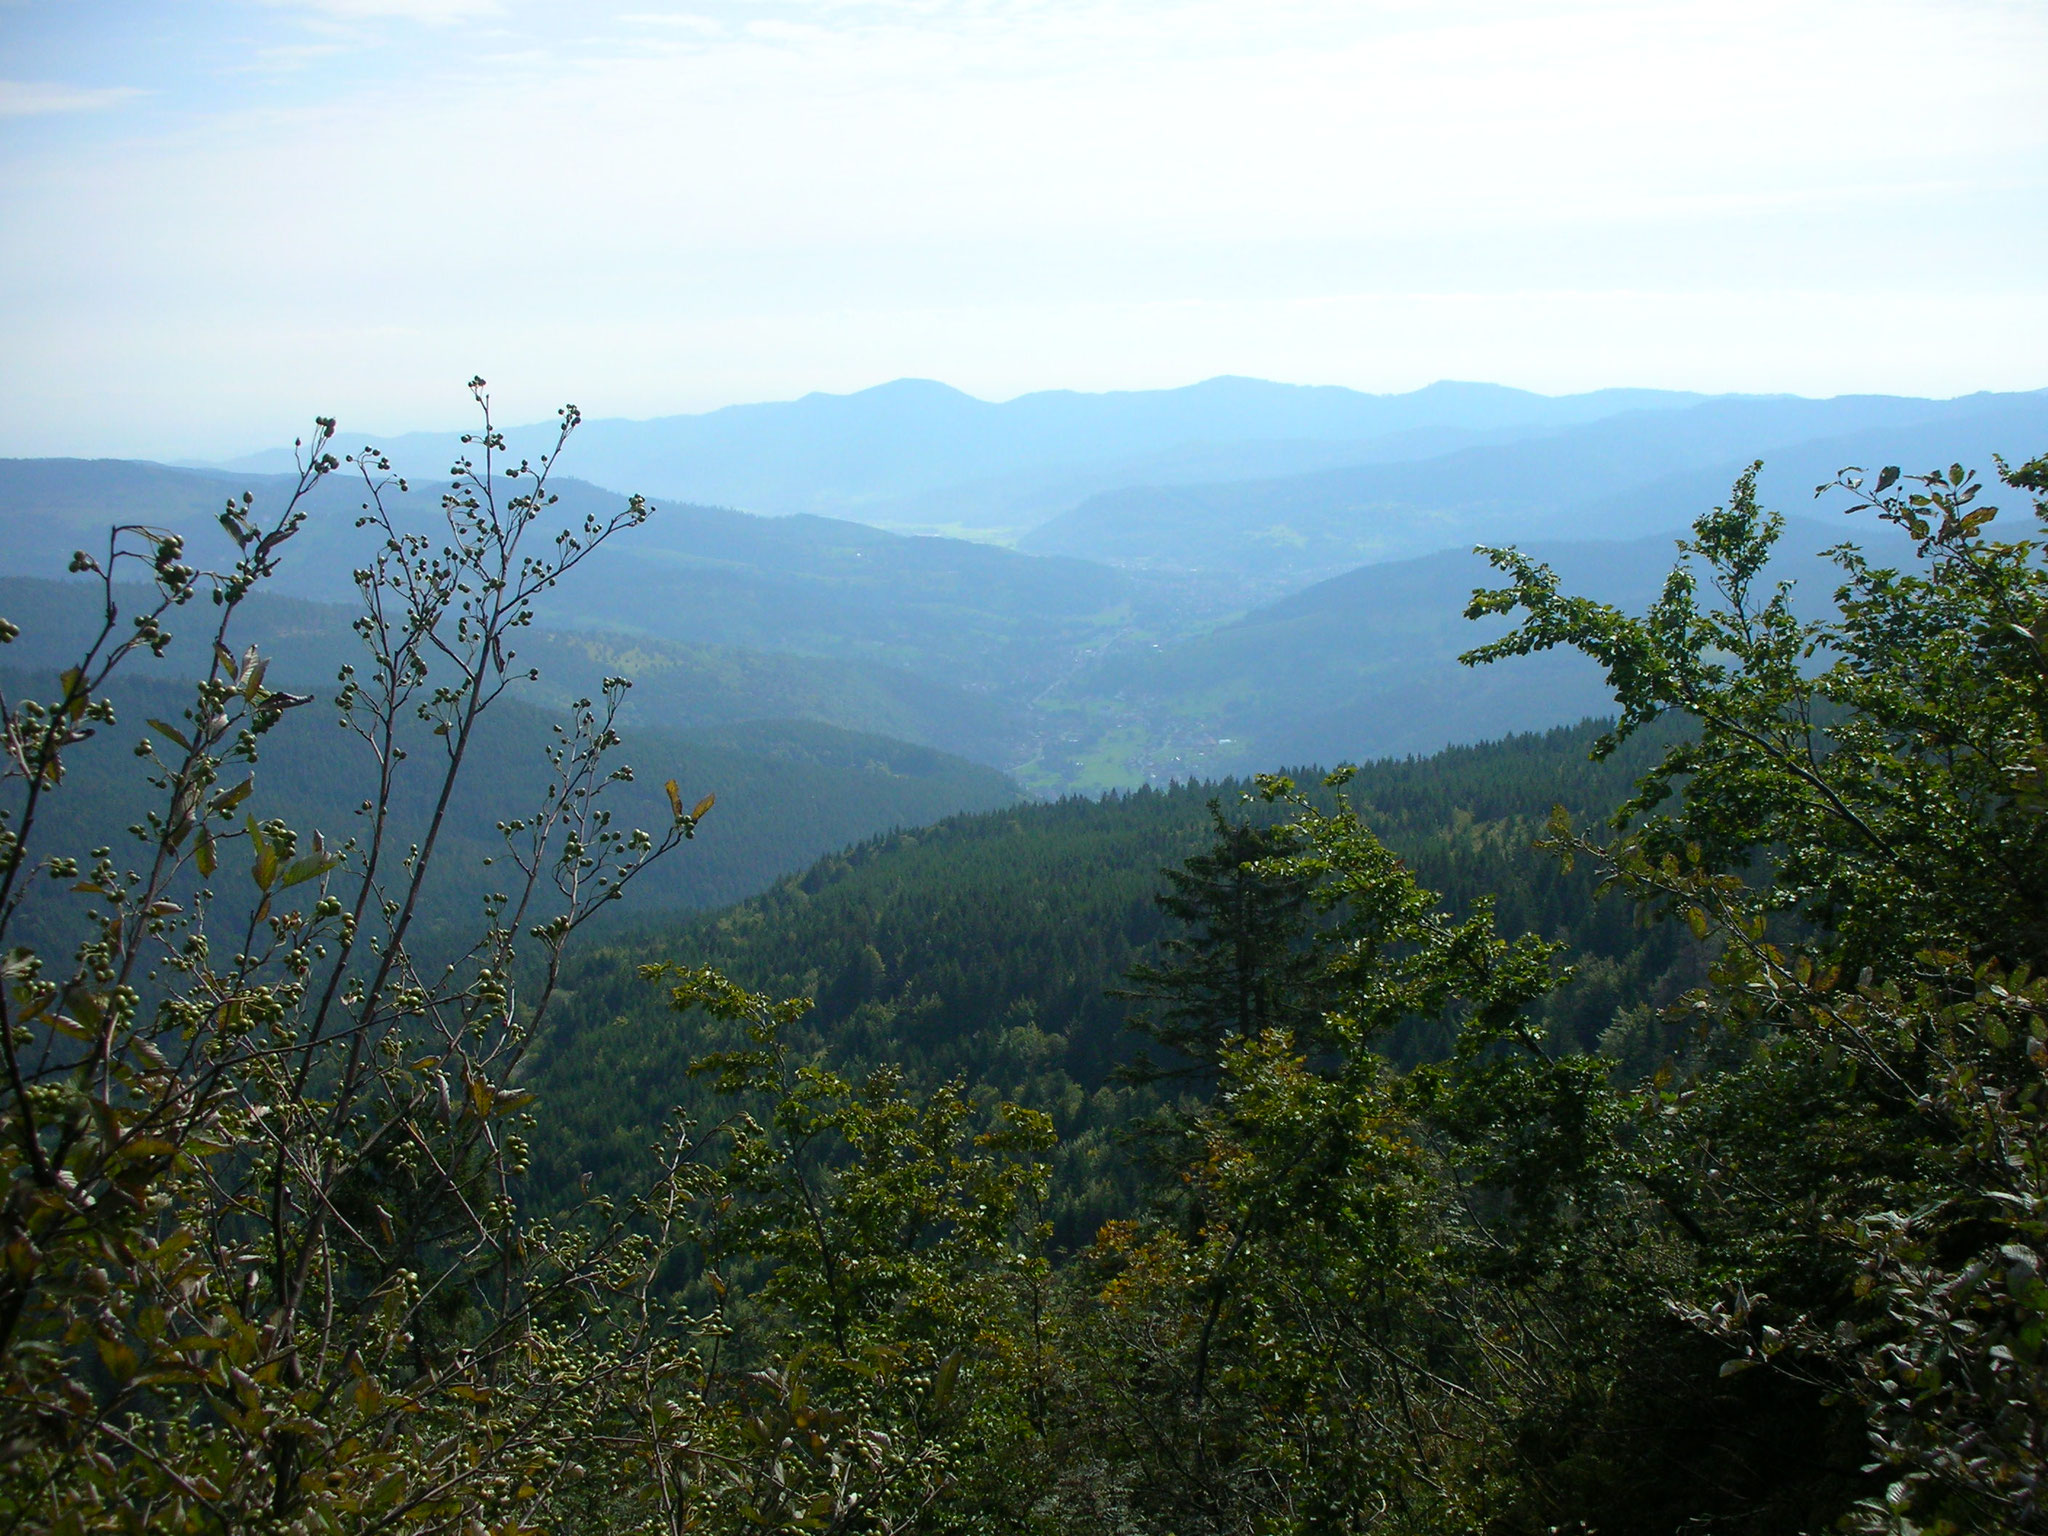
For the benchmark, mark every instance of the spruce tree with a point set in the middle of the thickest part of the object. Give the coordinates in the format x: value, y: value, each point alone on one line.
x: 1243, y: 962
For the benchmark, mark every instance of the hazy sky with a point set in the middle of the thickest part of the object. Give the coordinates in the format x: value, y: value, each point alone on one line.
x: 216, y: 219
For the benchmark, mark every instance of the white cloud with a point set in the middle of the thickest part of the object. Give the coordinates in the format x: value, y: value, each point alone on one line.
x: 431, y: 12
x: 36, y: 98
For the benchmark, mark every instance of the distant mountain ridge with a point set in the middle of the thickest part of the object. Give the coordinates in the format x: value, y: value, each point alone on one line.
x: 1059, y: 470
x: 1612, y: 478
x: 915, y: 451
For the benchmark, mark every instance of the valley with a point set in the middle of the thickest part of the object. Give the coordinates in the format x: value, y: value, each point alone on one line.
x: 1193, y: 624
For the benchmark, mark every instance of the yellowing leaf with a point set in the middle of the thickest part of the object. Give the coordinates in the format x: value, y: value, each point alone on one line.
x: 228, y: 799
x: 264, y: 870
x: 119, y: 1360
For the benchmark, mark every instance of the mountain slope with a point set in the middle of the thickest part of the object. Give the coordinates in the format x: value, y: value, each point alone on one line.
x: 962, y: 614
x: 787, y: 792
x: 677, y: 685
x: 986, y: 947
x: 1365, y: 665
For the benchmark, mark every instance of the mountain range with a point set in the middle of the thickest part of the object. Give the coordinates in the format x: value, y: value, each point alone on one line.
x: 1613, y: 478
x: 916, y: 453
x: 1202, y: 621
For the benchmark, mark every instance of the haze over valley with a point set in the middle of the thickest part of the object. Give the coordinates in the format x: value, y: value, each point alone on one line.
x: 1185, y: 583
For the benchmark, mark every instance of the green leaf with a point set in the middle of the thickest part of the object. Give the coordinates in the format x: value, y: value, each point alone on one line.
x: 228, y: 799
x: 119, y: 1360
x: 947, y: 1378
x: 311, y: 867
x: 170, y: 731
x: 264, y: 870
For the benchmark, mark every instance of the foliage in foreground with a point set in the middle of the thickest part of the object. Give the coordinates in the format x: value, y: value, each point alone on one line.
x: 1790, y: 1282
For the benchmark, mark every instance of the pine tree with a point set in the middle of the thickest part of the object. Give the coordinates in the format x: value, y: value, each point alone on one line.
x: 1243, y: 962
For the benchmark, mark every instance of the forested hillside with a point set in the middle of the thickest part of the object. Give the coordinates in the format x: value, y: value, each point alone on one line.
x: 1148, y: 768
x: 946, y: 609
x: 991, y: 947
x: 787, y: 792
x: 677, y: 685
x: 1368, y: 659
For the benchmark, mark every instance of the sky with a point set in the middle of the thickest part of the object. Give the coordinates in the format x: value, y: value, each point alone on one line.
x: 219, y: 219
